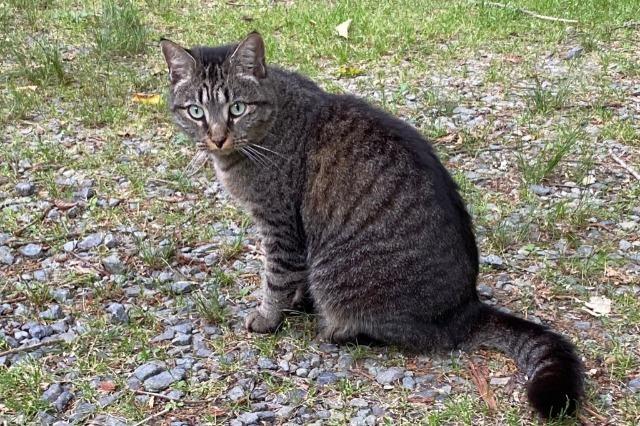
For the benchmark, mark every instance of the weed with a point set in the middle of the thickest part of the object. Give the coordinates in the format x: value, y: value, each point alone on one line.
x: 120, y: 28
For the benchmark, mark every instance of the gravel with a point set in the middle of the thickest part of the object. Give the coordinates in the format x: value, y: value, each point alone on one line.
x: 113, y: 264
x: 32, y: 251
x: 390, y: 375
x: 25, y: 189
x: 6, y: 256
x: 90, y: 241
x: 182, y: 287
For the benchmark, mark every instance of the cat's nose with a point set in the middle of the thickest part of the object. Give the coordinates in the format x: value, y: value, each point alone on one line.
x: 218, y: 134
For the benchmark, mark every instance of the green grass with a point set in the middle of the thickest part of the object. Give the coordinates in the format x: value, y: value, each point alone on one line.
x: 68, y: 70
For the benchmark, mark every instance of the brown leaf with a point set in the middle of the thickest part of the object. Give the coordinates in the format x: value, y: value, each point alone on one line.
x: 63, y: 205
x: 107, y: 386
x: 479, y: 377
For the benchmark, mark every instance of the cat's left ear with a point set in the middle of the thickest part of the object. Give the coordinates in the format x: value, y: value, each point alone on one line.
x: 181, y: 64
x: 248, y: 58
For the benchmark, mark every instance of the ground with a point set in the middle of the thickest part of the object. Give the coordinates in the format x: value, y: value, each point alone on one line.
x: 126, y: 271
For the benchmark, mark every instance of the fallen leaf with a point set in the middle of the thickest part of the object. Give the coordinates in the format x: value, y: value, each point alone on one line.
x: 346, y: 71
x: 479, y: 377
x: 23, y: 88
x: 598, y: 306
x: 343, y: 28
x: 107, y: 386
x: 146, y: 98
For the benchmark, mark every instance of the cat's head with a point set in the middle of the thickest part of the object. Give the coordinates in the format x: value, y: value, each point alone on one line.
x: 221, y: 97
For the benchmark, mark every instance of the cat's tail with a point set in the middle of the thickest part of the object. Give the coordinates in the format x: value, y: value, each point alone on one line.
x: 555, y: 373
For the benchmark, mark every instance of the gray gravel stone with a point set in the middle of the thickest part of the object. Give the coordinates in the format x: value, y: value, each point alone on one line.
x: 182, y: 287
x: 70, y: 246
x: 118, y: 314
x: 574, y: 52
x: 492, y: 260
x: 32, y: 251
x: 113, y: 264
x: 358, y: 402
x: 40, y: 331
x: 62, y: 401
x: 388, y: 376
x: 634, y: 385
x: 248, y: 418
x: 52, y: 393
x: 90, y: 241
x: 147, y: 370
x: 184, y: 327
x: 302, y: 372
x: 540, y: 190
x: 235, y: 393
x: 6, y: 256
x: 81, y: 412
x: 326, y: 378
x: 485, y: 290
x: 25, y: 189
x: 266, y: 364
x: 408, y: 382
x: 44, y: 419
x: 582, y: 325
x: 159, y: 382
x: 181, y: 339
x: 60, y: 295
x: 53, y: 313
x: 168, y: 334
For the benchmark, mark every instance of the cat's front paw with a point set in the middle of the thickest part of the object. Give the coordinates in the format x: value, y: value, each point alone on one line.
x: 258, y: 323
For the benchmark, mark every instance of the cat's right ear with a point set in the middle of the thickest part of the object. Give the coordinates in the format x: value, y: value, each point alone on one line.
x: 181, y: 64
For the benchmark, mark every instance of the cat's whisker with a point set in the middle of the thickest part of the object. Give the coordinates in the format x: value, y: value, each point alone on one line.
x: 264, y: 157
x: 269, y: 150
x: 251, y: 157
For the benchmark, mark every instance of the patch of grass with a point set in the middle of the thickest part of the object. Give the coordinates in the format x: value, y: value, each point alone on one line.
x: 209, y: 306
x: 17, y: 103
x: 154, y: 255
x: 20, y: 387
x: 120, y: 28
x: 543, y: 100
x: 536, y: 170
x: 41, y: 63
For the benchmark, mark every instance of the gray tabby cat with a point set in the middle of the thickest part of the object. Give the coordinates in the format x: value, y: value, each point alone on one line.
x: 356, y: 211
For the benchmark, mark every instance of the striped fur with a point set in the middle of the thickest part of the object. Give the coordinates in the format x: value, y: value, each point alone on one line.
x: 356, y: 211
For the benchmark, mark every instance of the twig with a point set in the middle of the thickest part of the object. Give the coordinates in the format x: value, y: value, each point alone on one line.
x: 527, y: 12
x: 30, y: 347
x: 154, y: 394
x: 625, y: 166
x: 13, y: 300
x: 156, y: 415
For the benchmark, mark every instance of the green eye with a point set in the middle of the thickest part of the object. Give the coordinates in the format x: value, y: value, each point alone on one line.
x: 237, y: 109
x: 196, y: 112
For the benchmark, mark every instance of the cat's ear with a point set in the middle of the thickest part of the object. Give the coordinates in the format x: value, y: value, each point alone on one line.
x: 248, y: 58
x: 181, y: 64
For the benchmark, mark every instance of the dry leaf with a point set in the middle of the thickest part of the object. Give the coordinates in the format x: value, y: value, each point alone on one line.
x: 343, y: 29
x: 23, y: 88
x: 146, y: 98
x: 598, y: 306
x: 479, y: 377
x: 346, y: 71
x: 107, y: 386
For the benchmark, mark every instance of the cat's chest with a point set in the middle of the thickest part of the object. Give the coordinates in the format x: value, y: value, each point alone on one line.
x: 247, y: 185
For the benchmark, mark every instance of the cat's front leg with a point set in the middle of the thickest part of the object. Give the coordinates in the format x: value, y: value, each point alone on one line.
x: 284, y: 275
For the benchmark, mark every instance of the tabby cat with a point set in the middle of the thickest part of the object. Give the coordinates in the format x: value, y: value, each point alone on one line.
x: 356, y: 212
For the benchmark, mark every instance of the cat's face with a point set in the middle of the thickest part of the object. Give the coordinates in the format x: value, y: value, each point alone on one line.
x: 223, y: 103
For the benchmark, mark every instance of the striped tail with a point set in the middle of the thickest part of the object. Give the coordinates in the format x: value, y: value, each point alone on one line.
x: 556, y: 374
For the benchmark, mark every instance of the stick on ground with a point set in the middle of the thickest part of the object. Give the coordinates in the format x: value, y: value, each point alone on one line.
x: 625, y: 166
x: 528, y: 12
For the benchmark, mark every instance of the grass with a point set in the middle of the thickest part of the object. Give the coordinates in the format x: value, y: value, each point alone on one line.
x: 68, y: 71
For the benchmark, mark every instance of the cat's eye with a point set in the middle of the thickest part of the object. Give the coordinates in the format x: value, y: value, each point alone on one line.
x: 237, y: 109
x: 196, y: 112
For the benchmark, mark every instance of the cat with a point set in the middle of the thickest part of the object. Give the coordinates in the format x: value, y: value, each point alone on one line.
x: 355, y: 211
